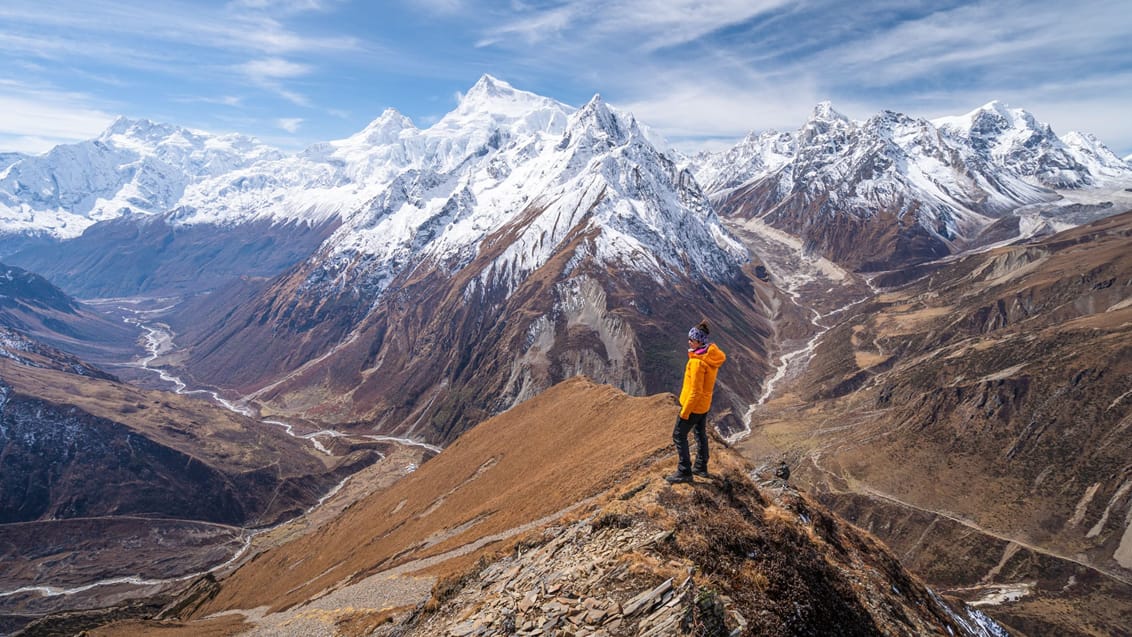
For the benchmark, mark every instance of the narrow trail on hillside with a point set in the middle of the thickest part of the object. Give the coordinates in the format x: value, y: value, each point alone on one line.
x: 863, y: 489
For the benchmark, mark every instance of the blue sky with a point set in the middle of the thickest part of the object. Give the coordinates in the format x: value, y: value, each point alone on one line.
x: 292, y: 72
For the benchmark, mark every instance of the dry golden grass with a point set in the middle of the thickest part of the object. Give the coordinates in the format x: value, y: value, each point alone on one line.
x: 557, y: 449
x: 902, y: 321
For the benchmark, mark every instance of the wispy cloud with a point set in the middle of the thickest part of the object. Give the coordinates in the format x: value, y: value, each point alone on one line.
x: 289, y: 124
x: 640, y: 24
x: 691, y: 70
x: 273, y: 69
x: 715, y: 69
x: 1000, y: 40
x: 37, y: 118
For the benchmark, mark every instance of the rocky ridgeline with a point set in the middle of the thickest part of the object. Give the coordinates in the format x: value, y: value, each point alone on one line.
x: 575, y: 584
x: 713, y: 558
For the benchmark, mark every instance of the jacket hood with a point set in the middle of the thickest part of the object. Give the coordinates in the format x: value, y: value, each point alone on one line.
x: 713, y: 357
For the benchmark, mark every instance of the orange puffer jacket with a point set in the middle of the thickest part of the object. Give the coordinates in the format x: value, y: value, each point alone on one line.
x: 699, y: 380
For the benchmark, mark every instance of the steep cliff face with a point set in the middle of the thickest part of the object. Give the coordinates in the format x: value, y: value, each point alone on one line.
x: 555, y: 517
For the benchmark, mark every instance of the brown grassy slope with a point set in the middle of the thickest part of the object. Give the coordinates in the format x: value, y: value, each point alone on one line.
x: 576, y: 440
x: 775, y: 557
x: 990, y: 396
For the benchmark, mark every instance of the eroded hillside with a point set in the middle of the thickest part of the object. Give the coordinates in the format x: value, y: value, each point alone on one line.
x: 977, y: 420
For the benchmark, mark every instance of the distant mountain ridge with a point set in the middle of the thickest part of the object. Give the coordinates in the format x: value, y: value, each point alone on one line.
x: 895, y: 190
x: 1014, y: 139
x: 134, y: 167
x: 518, y: 224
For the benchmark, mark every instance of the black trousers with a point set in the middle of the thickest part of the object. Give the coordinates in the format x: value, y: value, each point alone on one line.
x: 697, y: 423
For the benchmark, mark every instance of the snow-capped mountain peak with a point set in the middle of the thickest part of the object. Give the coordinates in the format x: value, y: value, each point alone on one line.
x: 134, y: 166
x: 1014, y: 139
x: 1097, y: 157
x: 994, y: 122
x: 138, y: 129
x: 825, y: 123
x: 597, y: 119
x: 824, y: 111
x: 494, y: 102
x: 386, y: 129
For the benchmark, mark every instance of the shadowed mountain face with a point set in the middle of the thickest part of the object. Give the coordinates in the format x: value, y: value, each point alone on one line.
x: 33, y: 306
x: 555, y: 514
x: 994, y: 390
x: 152, y: 256
x: 438, y: 352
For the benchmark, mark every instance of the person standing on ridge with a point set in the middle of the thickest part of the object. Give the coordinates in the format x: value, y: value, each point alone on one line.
x: 704, y: 361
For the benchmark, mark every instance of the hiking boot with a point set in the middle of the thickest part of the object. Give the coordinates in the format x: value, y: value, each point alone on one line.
x: 703, y: 473
x: 679, y: 477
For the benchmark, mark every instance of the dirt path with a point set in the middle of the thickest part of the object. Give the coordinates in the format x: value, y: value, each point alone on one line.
x: 857, y: 488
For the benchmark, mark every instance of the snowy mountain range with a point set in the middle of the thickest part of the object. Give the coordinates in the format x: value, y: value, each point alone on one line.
x: 961, y: 180
x: 143, y: 168
x: 1010, y: 140
x: 510, y: 223
x: 134, y: 167
x: 435, y: 195
x: 1013, y: 139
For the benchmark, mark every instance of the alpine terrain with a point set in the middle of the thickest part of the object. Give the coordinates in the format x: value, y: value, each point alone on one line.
x: 418, y: 380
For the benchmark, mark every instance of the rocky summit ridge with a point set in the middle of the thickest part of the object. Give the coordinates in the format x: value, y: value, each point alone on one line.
x: 589, y: 541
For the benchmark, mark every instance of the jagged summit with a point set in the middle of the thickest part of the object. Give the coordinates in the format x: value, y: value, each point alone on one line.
x: 824, y: 111
x: 1014, y: 139
x: 994, y: 115
x: 487, y: 87
x: 826, y: 126
x: 495, y: 100
x: 597, y: 119
x: 142, y: 128
x: 1096, y: 156
x: 385, y: 129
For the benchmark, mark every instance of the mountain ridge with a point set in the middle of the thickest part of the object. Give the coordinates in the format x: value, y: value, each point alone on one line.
x: 506, y: 550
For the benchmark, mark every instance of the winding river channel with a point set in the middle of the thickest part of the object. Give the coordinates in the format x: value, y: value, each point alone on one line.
x: 158, y: 341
